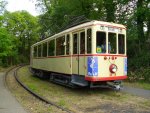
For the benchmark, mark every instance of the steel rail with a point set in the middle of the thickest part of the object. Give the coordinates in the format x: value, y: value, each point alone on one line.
x: 37, y: 95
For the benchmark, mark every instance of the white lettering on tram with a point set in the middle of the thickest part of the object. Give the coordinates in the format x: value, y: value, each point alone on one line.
x: 111, y: 29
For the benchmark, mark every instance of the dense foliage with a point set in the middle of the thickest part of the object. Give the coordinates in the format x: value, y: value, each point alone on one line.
x: 18, y: 30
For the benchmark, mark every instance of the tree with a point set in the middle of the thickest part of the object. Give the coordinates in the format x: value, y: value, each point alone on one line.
x: 24, y: 27
x: 7, y: 47
x: 2, y: 6
x: 110, y: 6
x: 58, y: 13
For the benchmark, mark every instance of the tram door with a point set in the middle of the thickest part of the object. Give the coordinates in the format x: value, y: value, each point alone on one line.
x: 81, y: 46
x: 75, y: 56
x: 78, y: 58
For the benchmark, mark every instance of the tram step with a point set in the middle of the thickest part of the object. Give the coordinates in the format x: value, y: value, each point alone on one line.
x: 79, y: 80
x: 77, y: 83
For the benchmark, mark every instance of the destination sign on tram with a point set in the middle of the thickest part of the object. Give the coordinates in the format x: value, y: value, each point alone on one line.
x: 110, y: 29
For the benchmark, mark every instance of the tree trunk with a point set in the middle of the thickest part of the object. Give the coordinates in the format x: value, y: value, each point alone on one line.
x: 140, y: 24
x: 148, y: 29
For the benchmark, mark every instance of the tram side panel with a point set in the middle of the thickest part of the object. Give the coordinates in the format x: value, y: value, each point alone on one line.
x: 62, y: 65
x: 58, y: 65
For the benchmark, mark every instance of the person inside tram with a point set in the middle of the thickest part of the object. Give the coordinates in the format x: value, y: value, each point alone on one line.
x: 101, y: 43
x: 109, y: 47
x: 103, y: 47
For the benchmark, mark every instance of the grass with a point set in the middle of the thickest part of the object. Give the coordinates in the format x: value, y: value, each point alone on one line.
x: 2, y: 69
x: 140, y: 84
x: 30, y: 103
x: 84, y: 98
x: 61, y: 102
x: 146, y: 103
x: 32, y: 87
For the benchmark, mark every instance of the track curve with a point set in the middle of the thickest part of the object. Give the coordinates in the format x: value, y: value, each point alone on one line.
x: 33, y: 93
x: 38, y: 96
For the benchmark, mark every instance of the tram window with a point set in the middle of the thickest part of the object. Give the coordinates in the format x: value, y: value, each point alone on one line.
x: 121, y: 43
x: 82, y: 43
x: 35, y: 51
x: 45, y: 49
x: 101, y: 42
x: 39, y: 50
x: 51, y: 48
x: 60, y: 48
x: 112, y: 43
x: 75, y: 39
x: 89, y: 38
x: 67, y: 44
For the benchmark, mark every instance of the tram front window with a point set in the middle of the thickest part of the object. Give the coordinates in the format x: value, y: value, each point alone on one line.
x: 112, y: 43
x: 101, y: 42
x: 121, y: 43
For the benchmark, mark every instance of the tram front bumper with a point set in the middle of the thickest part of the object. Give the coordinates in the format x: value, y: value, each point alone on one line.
x: 111, y: 78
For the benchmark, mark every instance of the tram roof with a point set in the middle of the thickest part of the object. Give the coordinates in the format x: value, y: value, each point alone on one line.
x: 83, y: 25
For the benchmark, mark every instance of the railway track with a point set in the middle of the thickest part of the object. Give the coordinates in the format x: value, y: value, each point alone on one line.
x: 82, y: 108
x: 15, y: 69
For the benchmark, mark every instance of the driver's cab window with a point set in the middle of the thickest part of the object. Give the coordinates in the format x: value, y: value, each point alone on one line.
x: 100, y: 42
x: 121, y: 44
x: 112, y: 43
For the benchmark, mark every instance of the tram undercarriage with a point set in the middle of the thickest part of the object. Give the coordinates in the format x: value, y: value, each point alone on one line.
x: 75, y: 81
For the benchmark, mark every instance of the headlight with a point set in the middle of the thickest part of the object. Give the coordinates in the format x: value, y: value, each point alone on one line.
x: 113, y: 68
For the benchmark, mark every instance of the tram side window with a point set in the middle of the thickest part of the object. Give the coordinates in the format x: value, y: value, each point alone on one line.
x: 39, y: 50
x: 75, y: 39
x: 67, y: 44
x: 45, y: 49
x: 112, y: 43
x: 82, y: 43
x: 121, y: 43
x: 60, y: 48
x: 89, y: 39
x: 101, y: 42
x: 51, y: 49
x: 35, y: 51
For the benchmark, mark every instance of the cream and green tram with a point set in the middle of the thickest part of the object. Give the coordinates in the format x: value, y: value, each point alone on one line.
x: 89, y: 54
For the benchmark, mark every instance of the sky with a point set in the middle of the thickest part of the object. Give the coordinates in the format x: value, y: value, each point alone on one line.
x: 28, y: 5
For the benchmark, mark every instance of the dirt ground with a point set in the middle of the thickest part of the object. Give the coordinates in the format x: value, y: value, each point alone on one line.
x: 83, y: 100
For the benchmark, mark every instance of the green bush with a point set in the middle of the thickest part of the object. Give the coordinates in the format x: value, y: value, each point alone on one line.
x: 139, y: 66
x: 141, y: 74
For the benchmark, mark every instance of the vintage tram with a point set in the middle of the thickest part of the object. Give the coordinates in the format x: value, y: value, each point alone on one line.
x: 88, y: 54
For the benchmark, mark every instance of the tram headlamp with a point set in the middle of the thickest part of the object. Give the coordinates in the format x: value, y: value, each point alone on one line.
x: 113, y: 68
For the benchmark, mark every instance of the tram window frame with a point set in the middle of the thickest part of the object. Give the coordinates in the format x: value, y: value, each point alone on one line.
x: 39, y: 50
x: 44, y: 49
x: 35, y: 51
x: 101, y: 42
x: 51, y: 48
x: 112, y: 44
x: 89, y: 40
x: 67, y: 44
x: 82, y: 42
x: 75, y: 43
x: 60, y: 47
x: 121, y: 50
